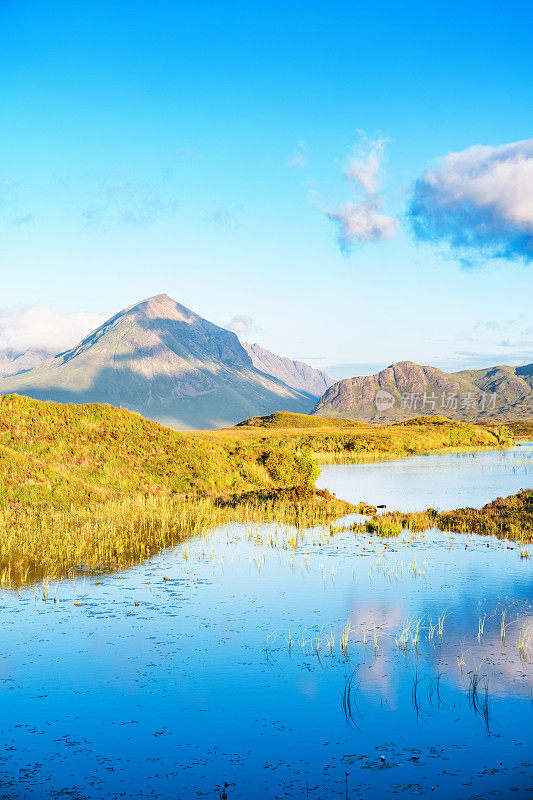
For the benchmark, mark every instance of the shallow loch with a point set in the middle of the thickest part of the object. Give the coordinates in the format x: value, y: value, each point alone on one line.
x: 264, y: 662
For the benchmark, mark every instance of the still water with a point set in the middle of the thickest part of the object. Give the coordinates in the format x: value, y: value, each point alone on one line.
x: 223, y: 661
x: 441, y: 482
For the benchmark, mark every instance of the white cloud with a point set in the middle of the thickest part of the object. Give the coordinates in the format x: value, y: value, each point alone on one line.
x: 40, y: 326
x: 360, y: 220
x: 240, y: 324
x: 364, y: 166
x: 479, y: 202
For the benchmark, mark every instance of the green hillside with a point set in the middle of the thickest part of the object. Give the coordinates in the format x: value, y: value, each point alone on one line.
x: 63, y: 455
x: 287, y: 419
x: 94, y: 487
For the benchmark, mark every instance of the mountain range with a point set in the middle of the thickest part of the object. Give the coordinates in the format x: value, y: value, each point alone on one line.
x: 293, y: 373
x: 162, y: 360
x: 406, y: 390
x: 12, y: 362
x: 171, y: 365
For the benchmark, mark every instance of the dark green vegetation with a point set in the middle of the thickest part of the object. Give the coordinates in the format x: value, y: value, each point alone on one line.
x: 521, y: 429
x: 492, y: 394
x: 510, y: 517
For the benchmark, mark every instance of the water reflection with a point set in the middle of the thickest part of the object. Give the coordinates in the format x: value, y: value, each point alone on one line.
x: 240, y: 664
x: 442, y: 482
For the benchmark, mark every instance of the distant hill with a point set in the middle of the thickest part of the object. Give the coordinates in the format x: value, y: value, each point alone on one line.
x: 285, y: 419
x: 405, y: 390
x: 294, y: 373
x: 12, y: 362
x: 167, y: 363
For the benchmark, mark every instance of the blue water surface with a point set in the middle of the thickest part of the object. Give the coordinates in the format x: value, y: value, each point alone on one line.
x: 222, y: 661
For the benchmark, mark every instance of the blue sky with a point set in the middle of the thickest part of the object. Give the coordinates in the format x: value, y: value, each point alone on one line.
x: 205, y: 149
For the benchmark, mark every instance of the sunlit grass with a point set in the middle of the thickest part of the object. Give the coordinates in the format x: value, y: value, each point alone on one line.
x: 52, y: 544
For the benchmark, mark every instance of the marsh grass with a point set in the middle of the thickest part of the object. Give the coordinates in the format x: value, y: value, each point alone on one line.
x: 510, y: 518
x: 479, y: 703
x: 92, y: 488
x: 51, y: 544
x: 524, y: 642
x: 503, y: 627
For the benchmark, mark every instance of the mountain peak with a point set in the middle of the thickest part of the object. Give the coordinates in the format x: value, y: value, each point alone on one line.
x: 161, y: 359
x: 161, y: 306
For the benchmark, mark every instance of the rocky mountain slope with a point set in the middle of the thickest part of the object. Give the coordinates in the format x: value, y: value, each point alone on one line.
x: 294, y: 373
x: 166, y: 362
x: 406, y: 390
x: 12, y: 362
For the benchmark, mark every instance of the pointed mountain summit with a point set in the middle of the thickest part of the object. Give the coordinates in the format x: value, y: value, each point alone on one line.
x: 167, y: 363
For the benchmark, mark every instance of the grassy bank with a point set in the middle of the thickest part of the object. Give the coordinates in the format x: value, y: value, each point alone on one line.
x: 510, y: 517
x: 96, y: 487
x: 68, y: 456
x: 49, y: 544
x: 346, y: 441
x: 521, y: 429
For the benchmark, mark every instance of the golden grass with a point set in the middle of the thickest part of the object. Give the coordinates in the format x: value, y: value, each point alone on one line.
x: 36, y: 545
x: 94, y: 487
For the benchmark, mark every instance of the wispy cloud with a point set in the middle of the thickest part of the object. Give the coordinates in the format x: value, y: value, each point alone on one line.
x: 187, y: 153
x: 360, y: 223
x: 118, y: 199
x: 224, y: 216
x: 478, y: 203
x: 365, y: 164
x: 477, y: 359
x: 360, y: 220
x: 41, y: 326
x: 12, y: 210
x: 297, y: 159
x: 240, y: 324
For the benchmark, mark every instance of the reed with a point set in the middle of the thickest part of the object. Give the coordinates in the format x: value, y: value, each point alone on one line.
x: 440, y: 625
x: 461, y: 663
x: 349, y: 705
x: 503, y: 626
x: 523, y: 642
x: 345, y: 638
x: 37, y: 544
